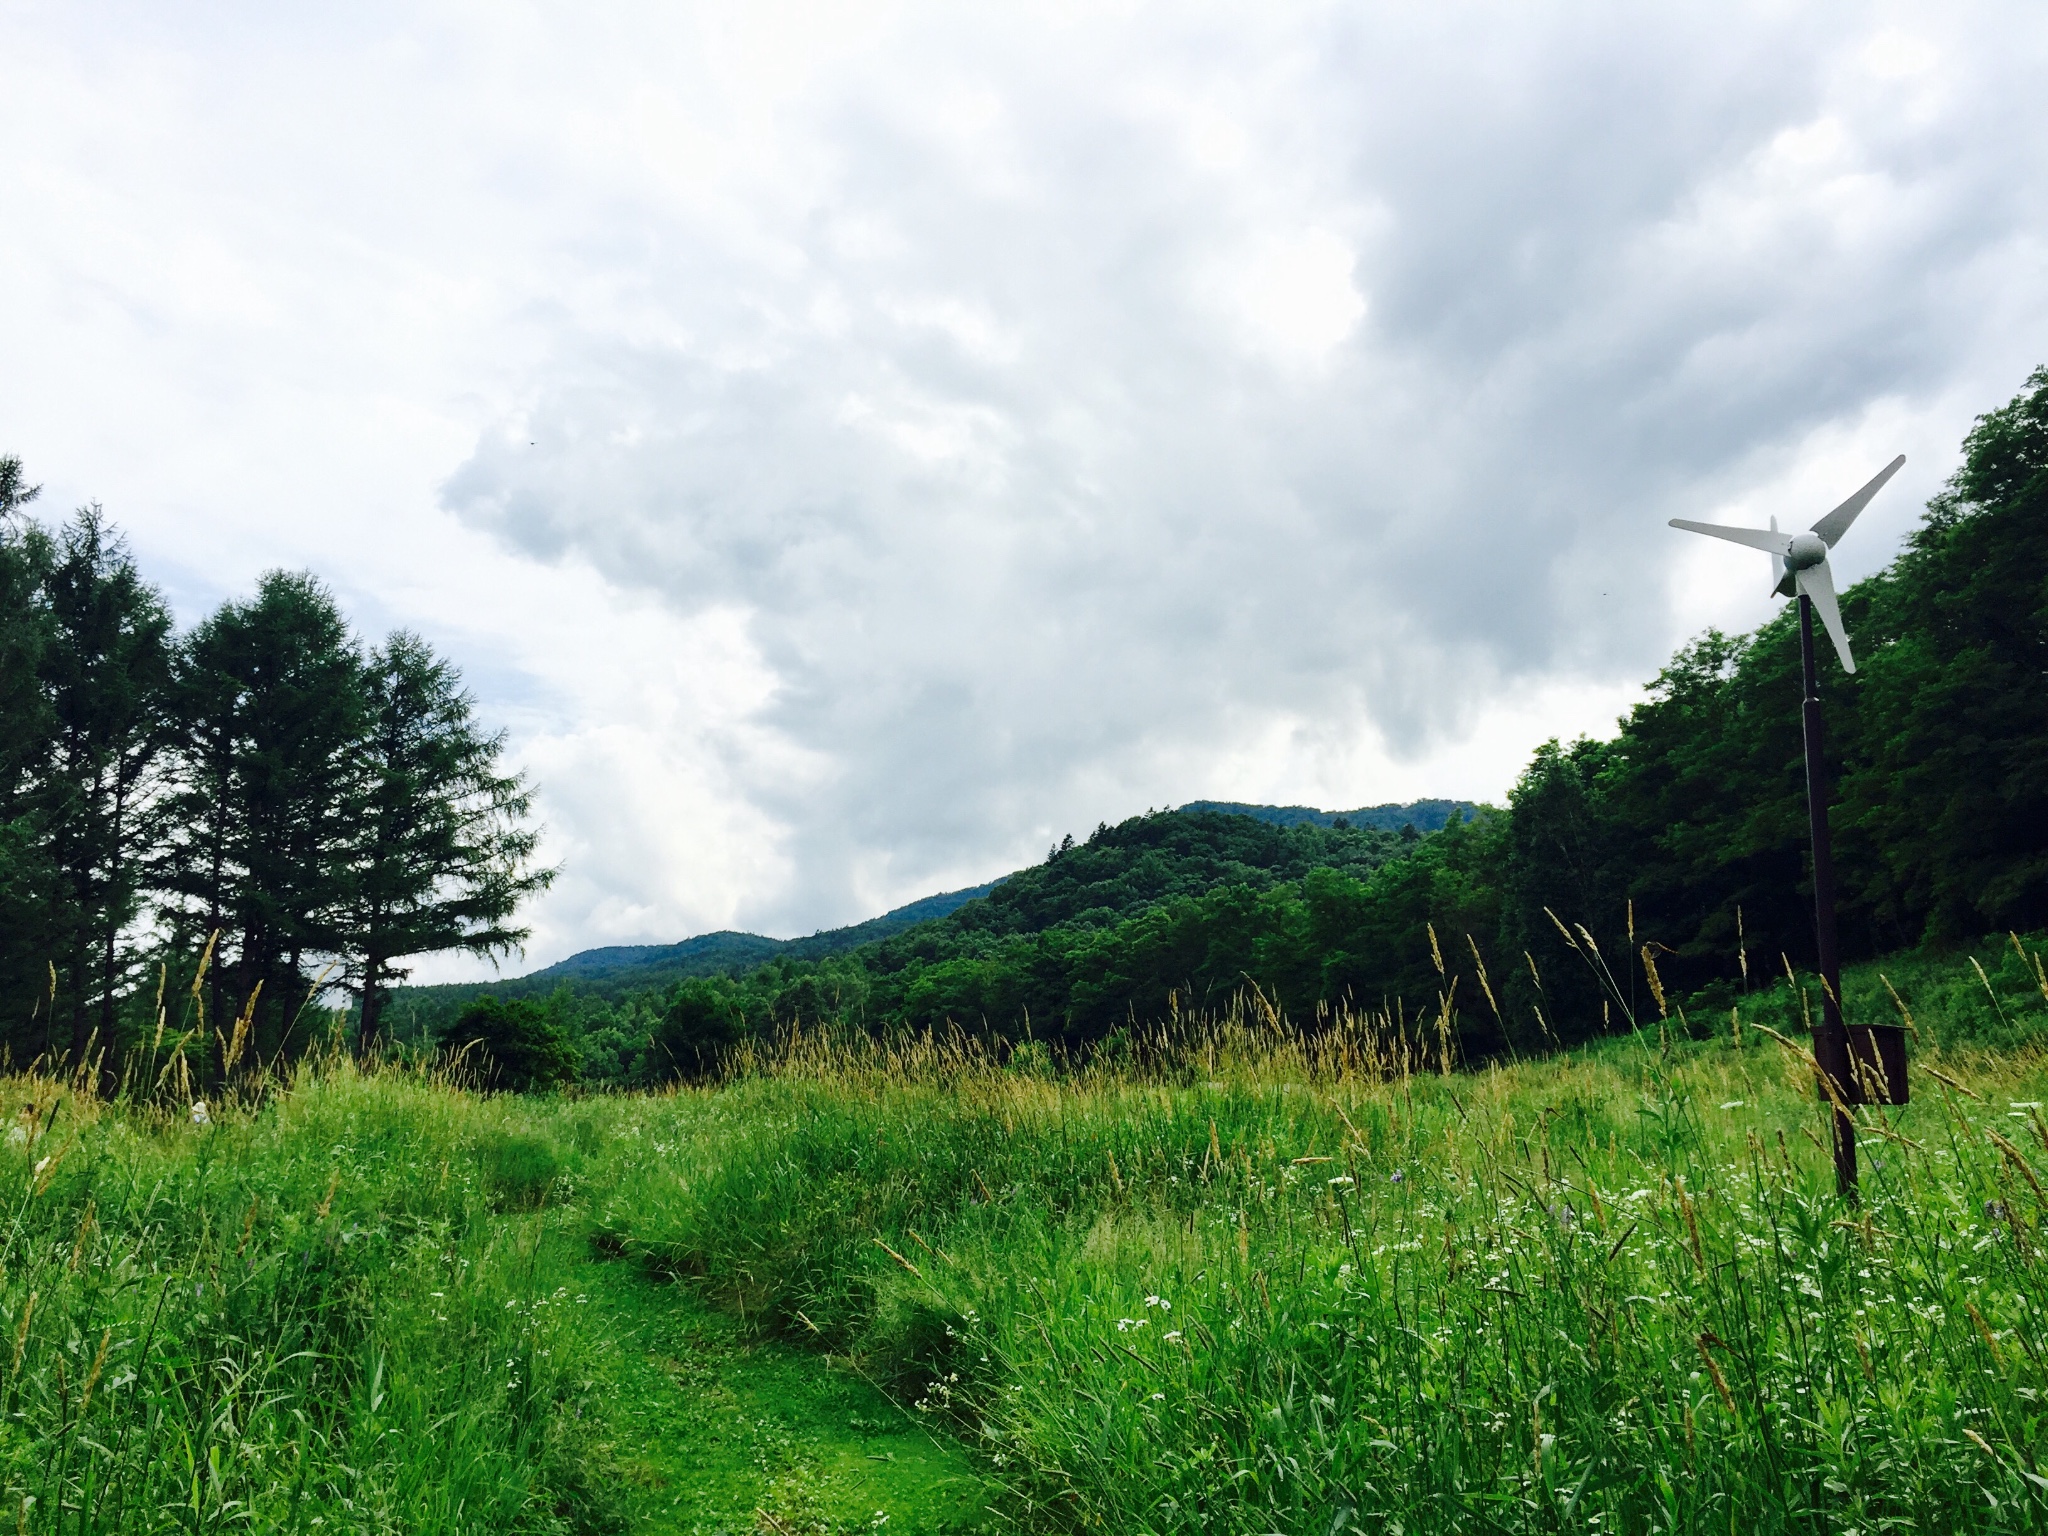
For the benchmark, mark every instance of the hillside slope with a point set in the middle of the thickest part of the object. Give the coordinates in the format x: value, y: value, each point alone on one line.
x: 1123, y: 870
x: 1422, y: 815
x: 1105, y: 880
x: 1118, y: 874
x: 618, y: 969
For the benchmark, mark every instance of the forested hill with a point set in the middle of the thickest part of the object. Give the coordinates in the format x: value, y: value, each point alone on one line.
x: 1003, y: 953
x: 1140, y: 863
x: 1117, y: 872
x: 1422, y: 815
x: 617, y: 969
x: 1682, y: 836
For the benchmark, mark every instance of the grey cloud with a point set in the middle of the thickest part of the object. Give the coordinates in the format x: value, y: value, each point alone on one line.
x: 1030, y: 526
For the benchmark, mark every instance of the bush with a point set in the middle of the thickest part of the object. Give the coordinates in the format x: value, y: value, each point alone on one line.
x: 520, y: 1045
x: 698, y: 1025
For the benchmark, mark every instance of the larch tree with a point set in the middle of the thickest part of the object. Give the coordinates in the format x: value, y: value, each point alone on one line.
x: 105, y: 674
x: 24, y: 744
x: 272, y: 710
x: 442, y: 852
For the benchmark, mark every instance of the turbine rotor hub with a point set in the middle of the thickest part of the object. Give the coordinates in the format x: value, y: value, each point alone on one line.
x: 1807, y: 551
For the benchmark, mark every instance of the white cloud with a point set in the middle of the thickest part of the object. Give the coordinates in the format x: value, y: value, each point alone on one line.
x: 1893, y: 54
x: 852, y: 446
x: 1294, y: 294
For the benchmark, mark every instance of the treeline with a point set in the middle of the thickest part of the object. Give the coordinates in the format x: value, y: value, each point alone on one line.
x: 1684, y: 836
x: 263, y: 799
x: 993, y: 961
x: 266, y: 778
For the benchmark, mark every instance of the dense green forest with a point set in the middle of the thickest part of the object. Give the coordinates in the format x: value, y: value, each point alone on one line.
x: 239, y: 817
x: 1422, y: 815
x: 616, y: 970
x: 1684, y: 834
x: 266, y: 777
x: 1003, y: 956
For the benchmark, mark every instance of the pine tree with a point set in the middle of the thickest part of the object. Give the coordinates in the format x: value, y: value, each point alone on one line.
x: 105, y: 674
x: 15, y: 492
x: 24, y: 745
x: 271, y: 707
x: 441, y: 858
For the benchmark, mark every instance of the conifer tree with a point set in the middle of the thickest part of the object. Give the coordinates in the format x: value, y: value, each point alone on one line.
x: 441, y: 856
x: 105, y: 674
x: 272, y: 710
x: 24, y: 742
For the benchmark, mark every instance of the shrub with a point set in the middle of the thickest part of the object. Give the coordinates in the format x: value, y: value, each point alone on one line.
x: 520, y: 1044
x: 699, y: 1023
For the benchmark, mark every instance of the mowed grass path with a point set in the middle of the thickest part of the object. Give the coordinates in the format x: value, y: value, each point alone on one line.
x: 379, y: 1303
x: 713, y: 1432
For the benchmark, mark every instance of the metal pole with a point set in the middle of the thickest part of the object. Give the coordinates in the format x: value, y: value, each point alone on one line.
x: 1831, y: 1044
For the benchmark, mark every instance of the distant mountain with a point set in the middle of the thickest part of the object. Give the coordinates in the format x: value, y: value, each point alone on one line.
x: 619, y: 968
x: 837, y: 940
x: 1423, y: 815
x: 1140, y: 863
x: 1116, y: 872
x: 646, y: 964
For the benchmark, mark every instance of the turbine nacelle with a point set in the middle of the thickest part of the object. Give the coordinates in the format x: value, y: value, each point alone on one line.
x: 1805, y: 550
x: 1799, y: 561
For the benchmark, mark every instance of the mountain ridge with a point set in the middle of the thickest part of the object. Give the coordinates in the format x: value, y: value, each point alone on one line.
x: 1423, y: 815
x: 614, y: 969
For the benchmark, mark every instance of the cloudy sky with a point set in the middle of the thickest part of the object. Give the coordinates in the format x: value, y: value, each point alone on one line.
x: 849, y: 447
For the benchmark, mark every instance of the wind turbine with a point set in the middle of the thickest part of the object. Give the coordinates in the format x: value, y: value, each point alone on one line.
x: 1867, y: 1064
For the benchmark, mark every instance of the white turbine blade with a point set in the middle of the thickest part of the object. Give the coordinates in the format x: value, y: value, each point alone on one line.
x: 1818, y: 585
x: 1780, y: 587
x: 1770, y: 543
x: 1836, y: 523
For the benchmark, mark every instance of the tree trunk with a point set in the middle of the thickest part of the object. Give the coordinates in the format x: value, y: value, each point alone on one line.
x: 369, y: 1035
x: 109, y: 954
x: 213, y: 924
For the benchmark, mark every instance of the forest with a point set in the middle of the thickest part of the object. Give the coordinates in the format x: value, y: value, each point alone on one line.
x: 329, y: 810
x: 1682, y: 837
x: 254, y: 815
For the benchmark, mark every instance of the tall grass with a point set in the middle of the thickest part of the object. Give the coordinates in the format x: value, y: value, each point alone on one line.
x: 1227, y: 1277
x: 1245, y: 1282
x: 300, y: 1314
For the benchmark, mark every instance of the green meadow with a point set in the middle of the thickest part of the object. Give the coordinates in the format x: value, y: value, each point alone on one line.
x: 1229, y: 1276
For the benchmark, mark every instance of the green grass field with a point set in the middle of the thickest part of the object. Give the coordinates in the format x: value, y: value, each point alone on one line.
x: 1229, y: 1283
